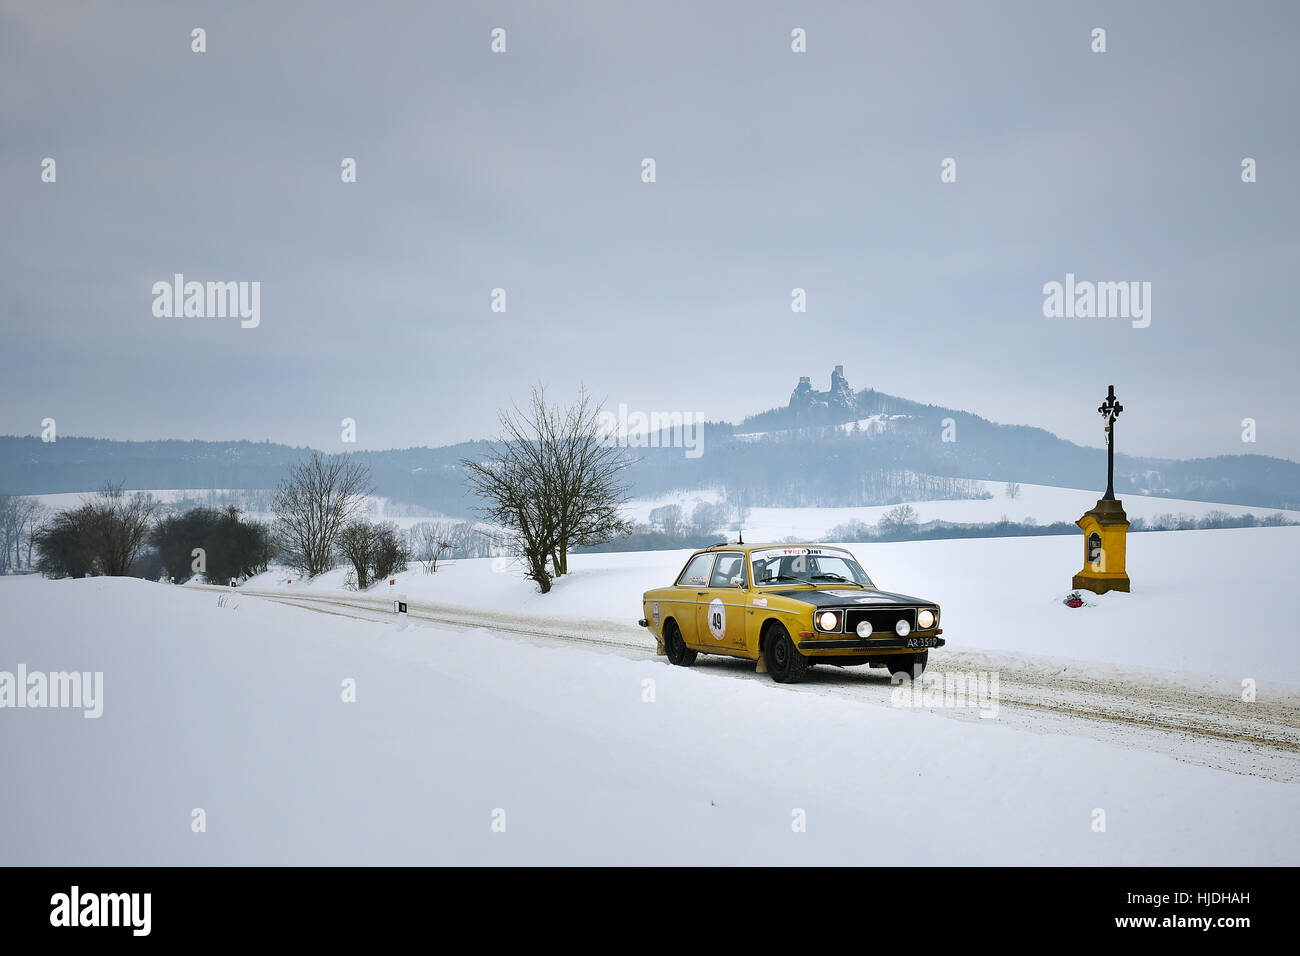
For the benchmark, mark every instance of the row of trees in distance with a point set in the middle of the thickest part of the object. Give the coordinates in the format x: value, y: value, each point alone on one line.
x: 319, y: 520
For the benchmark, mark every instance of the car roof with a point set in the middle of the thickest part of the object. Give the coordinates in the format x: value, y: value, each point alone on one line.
x: 747, y: 547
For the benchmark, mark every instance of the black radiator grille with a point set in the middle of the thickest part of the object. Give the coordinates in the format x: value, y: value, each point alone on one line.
x: 883, y: 620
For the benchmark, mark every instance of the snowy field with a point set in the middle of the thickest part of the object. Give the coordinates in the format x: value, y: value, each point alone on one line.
x: 238, y: 712
x: 1206, y: 602
x: 1044, y: 504
x: 377, y: 508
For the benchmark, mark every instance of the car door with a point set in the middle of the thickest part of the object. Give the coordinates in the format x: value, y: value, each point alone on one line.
x: 692, y: 584
x: 720, y: 621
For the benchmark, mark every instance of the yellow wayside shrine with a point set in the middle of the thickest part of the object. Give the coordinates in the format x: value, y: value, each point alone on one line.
x: 1105, y: 527
x: 1105, y: 531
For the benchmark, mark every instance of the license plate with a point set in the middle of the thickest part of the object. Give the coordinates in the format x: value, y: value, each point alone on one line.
x: 922, y: 642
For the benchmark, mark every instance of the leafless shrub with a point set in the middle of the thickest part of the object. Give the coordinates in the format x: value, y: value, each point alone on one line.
x: 359, y: 544
x: 103, y: 536
x: 391, y: 550
x: 374, y: 551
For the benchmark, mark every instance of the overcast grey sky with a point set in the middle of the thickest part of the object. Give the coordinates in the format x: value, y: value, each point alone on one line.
x: 522, y: 170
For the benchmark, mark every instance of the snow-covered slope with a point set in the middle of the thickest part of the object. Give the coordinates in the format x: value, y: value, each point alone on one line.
x: 1213, y: 602
x: 577, y: 757
x: 1044, y: 504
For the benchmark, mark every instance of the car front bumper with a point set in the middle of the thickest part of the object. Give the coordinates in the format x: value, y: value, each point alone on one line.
x: 867, y: 645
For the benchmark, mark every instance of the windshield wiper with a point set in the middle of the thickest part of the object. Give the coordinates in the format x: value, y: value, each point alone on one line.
x: 836, y: 577
x: 784, y: 577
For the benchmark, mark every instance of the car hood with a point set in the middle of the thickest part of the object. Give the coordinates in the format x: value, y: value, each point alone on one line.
x: 851, y: 597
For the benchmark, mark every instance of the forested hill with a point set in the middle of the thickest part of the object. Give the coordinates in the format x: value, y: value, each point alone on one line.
x: 879, y: 449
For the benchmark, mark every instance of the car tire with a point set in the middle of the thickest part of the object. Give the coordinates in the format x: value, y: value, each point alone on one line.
x: 913, y: 665
x: 678, y: 653
x: 784, y: 662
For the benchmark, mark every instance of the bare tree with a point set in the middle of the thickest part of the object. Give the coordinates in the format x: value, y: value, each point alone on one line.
x: 589, y: 494
x: 20, y: 516
x: 313, y: 505
x: 9, y: 533
x: 898, y: 520
x: 551, y: 481
x: 33, y: 516
x: 737, y: 504
x: 430, y: 540
x: 669, y: 518
x: 468, y: 540
x: 118, y: 528
x: 1013, y: 489
x: 517, y: 502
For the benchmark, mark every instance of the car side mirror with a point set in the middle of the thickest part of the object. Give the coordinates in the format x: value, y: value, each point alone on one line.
x: 737, y: 582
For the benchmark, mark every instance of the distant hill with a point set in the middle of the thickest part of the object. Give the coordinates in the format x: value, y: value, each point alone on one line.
x: 833, y: 448
x: 425, y: 476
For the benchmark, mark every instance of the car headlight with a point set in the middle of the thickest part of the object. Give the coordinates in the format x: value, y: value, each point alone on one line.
x: 925, y: 620
x: 828, y: 620
x: 864, y: 629
x: 902, y: 628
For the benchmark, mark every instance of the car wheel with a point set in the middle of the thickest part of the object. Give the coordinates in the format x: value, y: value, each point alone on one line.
x: 678, y: 652
x: 913, y: 665
x: 784, y: 662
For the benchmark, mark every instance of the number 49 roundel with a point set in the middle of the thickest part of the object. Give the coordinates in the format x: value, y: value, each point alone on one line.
x: 717, y: 618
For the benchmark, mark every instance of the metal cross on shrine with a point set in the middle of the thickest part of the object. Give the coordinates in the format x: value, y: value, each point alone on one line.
x: 1110, y: 410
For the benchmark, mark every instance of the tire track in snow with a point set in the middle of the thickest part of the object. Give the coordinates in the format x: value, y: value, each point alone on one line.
x: 1197, y: 722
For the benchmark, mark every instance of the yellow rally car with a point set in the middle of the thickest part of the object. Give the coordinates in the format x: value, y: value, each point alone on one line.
x: 789, y: 606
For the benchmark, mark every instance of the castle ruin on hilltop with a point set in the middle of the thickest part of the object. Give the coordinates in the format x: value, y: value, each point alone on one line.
x: 806, y: 399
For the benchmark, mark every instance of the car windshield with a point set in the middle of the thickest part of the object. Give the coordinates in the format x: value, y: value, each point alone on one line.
x: 798, y: 565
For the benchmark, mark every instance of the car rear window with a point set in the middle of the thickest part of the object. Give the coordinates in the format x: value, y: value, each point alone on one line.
x: 697, y: 571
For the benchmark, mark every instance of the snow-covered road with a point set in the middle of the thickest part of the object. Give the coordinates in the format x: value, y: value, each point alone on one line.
x: 1200, y: 719
x: 240, y: 730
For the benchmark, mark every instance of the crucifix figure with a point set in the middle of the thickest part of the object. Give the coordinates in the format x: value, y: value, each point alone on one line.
x: 1110, y: 410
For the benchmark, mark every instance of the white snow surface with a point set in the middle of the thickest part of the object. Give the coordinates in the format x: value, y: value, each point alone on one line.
x: 1205, y: 602
x: 1041, y: 503
x: 1044, y: 504
x: 238, y: 711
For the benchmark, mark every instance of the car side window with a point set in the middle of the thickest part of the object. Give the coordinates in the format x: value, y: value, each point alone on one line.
x: 697, y: 571
x: 729, y: 567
